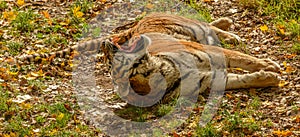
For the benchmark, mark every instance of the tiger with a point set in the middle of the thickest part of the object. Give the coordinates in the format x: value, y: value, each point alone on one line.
x: 174, y: 25
x: 148, y: 61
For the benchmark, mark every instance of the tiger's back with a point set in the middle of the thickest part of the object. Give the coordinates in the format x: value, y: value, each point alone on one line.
x: 177, y: 26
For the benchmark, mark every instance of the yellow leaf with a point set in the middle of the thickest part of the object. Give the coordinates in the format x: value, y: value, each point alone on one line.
x: 284, y: 64
x: 20, y: 2
x: 6, y: 135
x: 79, y: 14
x: 289, y: 69
x: 70, y: 64
x: 37, y: 74
x: 46, y: 14
x: 76, y: 9
x: 293, y: 22
x: 12, y: 73
x: 282, y: 133
x: 264, y: 28
x: 9, y: 16
x: 238, y: 69
x: 67, y: 74
x: 282, y: 83
x: 149, y: 6
x: 60, y: 116
x: 65, y: 23
x: 278, y: 133
x: 25, y: 105
x: 54, y: 131
x: 286, y: 133
x: 281, y: 29
x: 76, y: 12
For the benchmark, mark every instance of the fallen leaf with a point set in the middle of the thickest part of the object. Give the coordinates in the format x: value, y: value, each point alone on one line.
x: 76, y: 12
x: 54, y: 131
x: 264, y: 28
x: 238, y: 69
x: 229, y: 96
x: 25, y: 105
x: 21, y: 99
x: 281, y: 29
x: 175, y: 134
x: 282, y: 133
x: 67, y: 106
x: 46, y: 14
x: 290, y: 56
x: 289, y: 69
x: 282, y: 83
x: 9, y: 16
x: 149, y: 6
x: 60, y: 116
x: 284, y: 64
x: 297, y: 119
x: 20, y: 2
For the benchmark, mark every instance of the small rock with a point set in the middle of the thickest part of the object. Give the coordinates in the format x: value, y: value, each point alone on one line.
x: 283, y: 101
x: 232, y: 11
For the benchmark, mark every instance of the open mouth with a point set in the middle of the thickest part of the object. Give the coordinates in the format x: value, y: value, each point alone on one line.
x: 132, y: 45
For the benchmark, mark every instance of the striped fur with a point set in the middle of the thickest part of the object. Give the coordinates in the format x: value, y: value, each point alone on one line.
x: 90, y: 47
x: 138, y: 73
x: 176, y: 26
x: 180, y: 28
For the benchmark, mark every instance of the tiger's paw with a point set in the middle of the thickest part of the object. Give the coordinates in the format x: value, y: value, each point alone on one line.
x: 268, y: 78
x: 222, y: 23
x: 271, y: 65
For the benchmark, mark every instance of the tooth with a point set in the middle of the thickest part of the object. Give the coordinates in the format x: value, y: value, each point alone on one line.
x: 123, y: 91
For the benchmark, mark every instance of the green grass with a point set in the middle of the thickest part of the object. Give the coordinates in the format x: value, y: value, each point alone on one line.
x: 24, y: 21
x: 15, y: 48
x: 3, y: 5
x: 208, y: 131
x: 296, y: 47
x: 203, y: 13
x: 284, y: 14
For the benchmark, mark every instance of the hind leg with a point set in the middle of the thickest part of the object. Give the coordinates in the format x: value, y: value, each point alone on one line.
x: 235, y: 59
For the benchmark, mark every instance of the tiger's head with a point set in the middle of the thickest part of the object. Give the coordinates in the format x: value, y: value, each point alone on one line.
x: 128, y: 57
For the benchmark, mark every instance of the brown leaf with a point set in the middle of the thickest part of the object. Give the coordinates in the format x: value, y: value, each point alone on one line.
x: 67, y: 106
x: 175, y: 134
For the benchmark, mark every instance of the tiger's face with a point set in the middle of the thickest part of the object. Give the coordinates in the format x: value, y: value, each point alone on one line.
x: 128, y: 56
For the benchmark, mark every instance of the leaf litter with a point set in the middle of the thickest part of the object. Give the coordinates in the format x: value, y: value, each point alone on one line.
x: 277, y: 109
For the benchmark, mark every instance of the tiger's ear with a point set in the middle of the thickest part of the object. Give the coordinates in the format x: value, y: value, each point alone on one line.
x: 108, y: 46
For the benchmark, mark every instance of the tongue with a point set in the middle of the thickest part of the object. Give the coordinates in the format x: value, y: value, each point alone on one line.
x: 129, y: 48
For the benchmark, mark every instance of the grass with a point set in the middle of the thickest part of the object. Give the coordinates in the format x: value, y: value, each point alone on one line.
x: 24, y: 21
x: 3, y: 5
x: 285, y: 16
x: 14, y: 48
x: 208, y: 131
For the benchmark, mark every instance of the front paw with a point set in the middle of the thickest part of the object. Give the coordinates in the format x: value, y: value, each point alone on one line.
x: 271, y: 65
